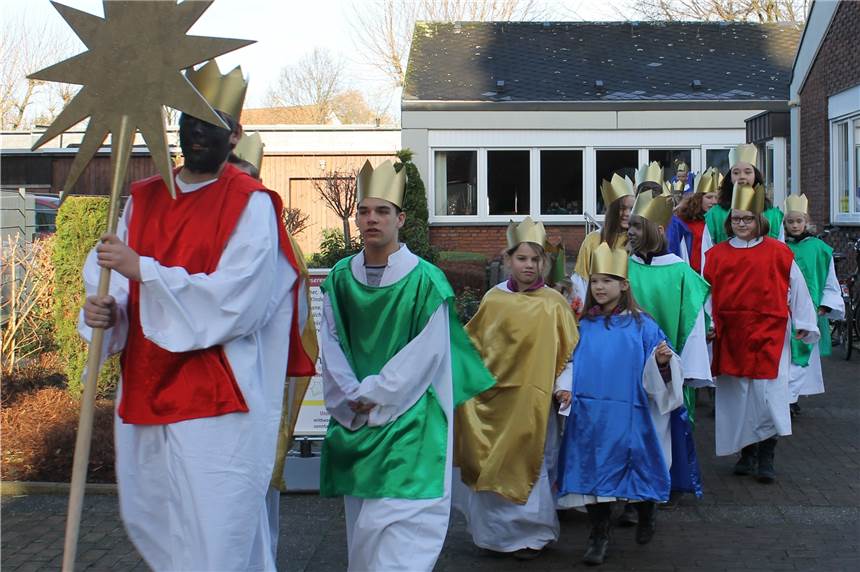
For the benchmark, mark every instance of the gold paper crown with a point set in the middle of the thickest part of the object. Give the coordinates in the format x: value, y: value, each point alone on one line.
x: 612, y: 261
x: 652, y: 173
x: 250, y: 148
x: 656, y: 209
x: 381, y: 183
x: 743, y: 154
x: 618, y: 188
x: 681, y: 166
x: 797, y: 204
x: 526, y: 231
x: 223, y: 92
x: 709, y: 181
x: 747, y: 198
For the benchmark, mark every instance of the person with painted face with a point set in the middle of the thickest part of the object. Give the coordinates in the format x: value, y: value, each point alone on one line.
x: 618, y: 198
x: 395, y: 363
x: 684, y: 234
x: 758, y: 295
x: 742, y: 171
x: 626, y: 381
x: 507, y: 438
x: 815, y: 259
x: 202, y: 307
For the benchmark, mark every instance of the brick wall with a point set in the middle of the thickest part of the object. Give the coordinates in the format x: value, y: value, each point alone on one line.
x: 836, y: 68
x: 490, y: 240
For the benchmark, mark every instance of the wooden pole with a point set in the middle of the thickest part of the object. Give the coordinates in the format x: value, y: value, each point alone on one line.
x: 122, y: 140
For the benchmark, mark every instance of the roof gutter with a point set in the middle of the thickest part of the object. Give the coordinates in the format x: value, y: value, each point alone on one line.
x: 614, y: 105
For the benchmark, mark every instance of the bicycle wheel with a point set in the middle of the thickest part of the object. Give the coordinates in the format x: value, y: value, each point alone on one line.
x: 848, y: 331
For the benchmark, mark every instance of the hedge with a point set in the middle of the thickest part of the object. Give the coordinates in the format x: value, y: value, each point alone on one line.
x: 416, y: 230
x: 80, y: 223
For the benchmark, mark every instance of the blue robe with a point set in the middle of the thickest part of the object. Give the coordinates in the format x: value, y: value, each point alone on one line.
x: 610, y: 447
x: 678, y: 232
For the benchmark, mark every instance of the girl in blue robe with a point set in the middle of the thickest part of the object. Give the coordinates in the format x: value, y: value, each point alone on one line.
x: 626, y: 382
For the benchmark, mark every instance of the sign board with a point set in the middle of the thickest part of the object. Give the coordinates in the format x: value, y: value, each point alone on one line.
x: 313, y: 417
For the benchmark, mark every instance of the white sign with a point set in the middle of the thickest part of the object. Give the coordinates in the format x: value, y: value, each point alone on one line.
x: 313, y: 417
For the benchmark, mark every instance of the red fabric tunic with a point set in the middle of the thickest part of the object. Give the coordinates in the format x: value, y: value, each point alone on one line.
x: 697, y: 227
x: 192, y: 231
x: 749, y: 292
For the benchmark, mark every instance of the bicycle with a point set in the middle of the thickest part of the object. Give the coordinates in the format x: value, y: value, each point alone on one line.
x: 846, y: 332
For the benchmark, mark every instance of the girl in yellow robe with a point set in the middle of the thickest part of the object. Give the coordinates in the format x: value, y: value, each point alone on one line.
x: 506, y: 439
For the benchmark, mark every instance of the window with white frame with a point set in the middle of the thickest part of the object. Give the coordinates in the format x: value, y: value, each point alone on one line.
x: 508, y: 182
x: 456, y: 178
x: 718, y: 158
x: 561, y: 182
x: 843, y: 110
x: 611, y: 161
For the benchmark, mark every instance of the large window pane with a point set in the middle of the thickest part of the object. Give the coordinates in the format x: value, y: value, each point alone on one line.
x: 508, y: 182
x: 857, y: 165
x: 456, y: 176
x: 561, y: 182
x: 842, y: 154
x: 621, y: 161
x: 769, y: 173
x: 669, y: 160
x: 717, y: 158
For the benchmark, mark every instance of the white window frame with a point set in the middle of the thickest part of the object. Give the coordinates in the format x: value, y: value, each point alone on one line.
x: 431, y: 189
x: 536, y: 196
x: 484, y: 192
x: 844, y: 107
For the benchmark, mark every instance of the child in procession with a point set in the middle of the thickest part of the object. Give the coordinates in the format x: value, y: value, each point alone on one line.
x: 625, y: 383
x: 758, y: 295
x: 506, y: 439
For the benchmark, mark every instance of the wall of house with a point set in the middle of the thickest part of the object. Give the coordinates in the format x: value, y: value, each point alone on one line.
x: 836, y: 68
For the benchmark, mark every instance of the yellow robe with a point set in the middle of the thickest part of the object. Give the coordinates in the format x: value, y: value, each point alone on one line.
x: 592, y: 241
x: 526, y: 340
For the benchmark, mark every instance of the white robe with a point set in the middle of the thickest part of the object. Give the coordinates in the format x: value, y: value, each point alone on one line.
x: 695, y: 359
x: 752, y: 410
x: 809, y: 380
x: 663, y: 398
x: 503, y: 526
x: 391, y: 533
x: 192, y: 493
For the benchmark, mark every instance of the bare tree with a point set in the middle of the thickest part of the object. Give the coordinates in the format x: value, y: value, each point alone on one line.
x: 339, y: 191
x: 295, y: 220
x: 727, y: 10
x: 26, y: 47
x: 384, y: 29
x: 314, y: 82
x: 351, y: 106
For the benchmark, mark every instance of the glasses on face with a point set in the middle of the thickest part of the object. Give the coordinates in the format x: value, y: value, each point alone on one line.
x: 746, y: 220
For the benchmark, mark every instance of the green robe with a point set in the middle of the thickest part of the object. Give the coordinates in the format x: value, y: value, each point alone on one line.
x: 715, y: 220
x: 405, y: 458
x: 674, y: 295
x: 813, y: 257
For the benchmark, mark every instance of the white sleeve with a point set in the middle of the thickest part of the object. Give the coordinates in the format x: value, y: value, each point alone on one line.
x: 804, y: 315
x: 340, y: 386
x: 115, y: 337
x: 707, y: 244
x: 666, y: 397
x: 564, y: 381
x: 781, y: 236
x: 831, y: 296
x: 685, y: 255
x: 182, y: 312
x: 408, y: 375
x: 695, y: 360
x: 580, y: 287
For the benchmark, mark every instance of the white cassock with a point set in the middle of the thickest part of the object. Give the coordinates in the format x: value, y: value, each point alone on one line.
x: 695, y: 358
x: 192, y: 493
x: 663, y: 399
x: 809, y: 380
x: 503, y: 526
x: 391, y: 533
x: 751, y: 410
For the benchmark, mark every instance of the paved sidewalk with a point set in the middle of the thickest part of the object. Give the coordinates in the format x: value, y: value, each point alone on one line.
x: 807, y: 520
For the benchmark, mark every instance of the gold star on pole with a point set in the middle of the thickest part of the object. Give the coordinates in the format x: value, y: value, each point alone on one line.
x: 133, y: 68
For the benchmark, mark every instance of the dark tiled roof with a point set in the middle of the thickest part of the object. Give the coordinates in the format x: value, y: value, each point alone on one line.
x: 636, y: 61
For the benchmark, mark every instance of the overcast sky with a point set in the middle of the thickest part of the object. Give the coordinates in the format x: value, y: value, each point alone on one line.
x: 286, y: 30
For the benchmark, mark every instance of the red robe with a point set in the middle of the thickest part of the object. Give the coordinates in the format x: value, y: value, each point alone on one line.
x: 191, y: 231
x: 749, y: 293
x: 697, y: 227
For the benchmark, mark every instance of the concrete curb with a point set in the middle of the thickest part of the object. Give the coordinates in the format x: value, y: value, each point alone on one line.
x: 18, y: 488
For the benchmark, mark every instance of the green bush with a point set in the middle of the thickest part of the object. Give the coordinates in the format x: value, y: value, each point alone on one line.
x: 332, y: 249
x: 80, y: 222
x: 416, y: 230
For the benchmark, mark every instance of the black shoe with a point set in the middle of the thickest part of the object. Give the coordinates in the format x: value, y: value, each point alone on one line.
x: 628, y: 518
x: 647, y: 522
x: 794, y: 408
x: 746, y: 464
x: 527, y: 554
x: 766, y: 472
x: 598, y: 541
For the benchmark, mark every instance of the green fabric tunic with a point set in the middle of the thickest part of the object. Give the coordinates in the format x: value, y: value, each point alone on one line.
x: 673, y: 294
x: 715, y: 220
x: 813, y: 257
x: 407, y: 457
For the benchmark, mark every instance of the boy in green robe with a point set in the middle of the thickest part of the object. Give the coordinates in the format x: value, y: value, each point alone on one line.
x: 395, y: 362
